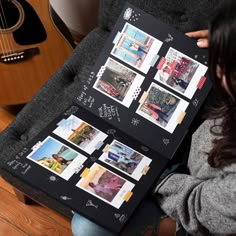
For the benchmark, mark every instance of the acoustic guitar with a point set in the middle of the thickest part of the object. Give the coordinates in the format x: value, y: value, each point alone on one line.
x: 31, y: 49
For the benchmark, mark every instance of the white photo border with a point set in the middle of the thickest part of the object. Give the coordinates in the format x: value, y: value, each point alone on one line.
x: 128, y: 99
x: 193, y: 85
x: 118, y: 200
x: 172, y: 124
x: 100, y: 137
x: 71, y: 169
x: 138, y: 171
x: 153, y: 51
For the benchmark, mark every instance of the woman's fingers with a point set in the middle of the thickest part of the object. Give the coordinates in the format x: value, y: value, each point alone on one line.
x: 198, y: 34
x: 202, y: 43
x: 201, y: 35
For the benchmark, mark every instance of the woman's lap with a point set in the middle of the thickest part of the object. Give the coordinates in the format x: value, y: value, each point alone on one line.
x: 145, y: 219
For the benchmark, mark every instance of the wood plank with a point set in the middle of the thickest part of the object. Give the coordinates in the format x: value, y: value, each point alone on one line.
x: 52, y: 214
x: 38, y: 208
x: 6, y: 118
x: 6, y: 186
x: 166, y: 227
x: 8, y: 114
x: 34, y: 222
x: 6, y: 228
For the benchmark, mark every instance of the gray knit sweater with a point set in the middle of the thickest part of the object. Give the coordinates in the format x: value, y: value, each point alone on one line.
x: 204, y: 203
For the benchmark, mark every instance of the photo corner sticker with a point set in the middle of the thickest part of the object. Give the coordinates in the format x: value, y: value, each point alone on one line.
x: 143, y: 98
x: 106, y: 148
x: 99, y: 145
x: 85, y: 173
x: 127, y: 196
x: 145, y: 170
x: 61, y: 122
x: 161, y: 63
x: 201, y: 82
x: 181, y: 117
x: 117, y: 38
x: 154, y: 60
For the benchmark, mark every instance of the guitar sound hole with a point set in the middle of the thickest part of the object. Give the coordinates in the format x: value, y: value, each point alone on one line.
x: 9, y: 15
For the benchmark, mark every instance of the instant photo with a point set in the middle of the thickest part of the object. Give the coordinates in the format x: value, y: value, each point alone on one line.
x: 80, y: 133
x: 105, y: 185
x: 125, y: 159
x: 136, y: 47
x: 162, y: 107
x: 57, y: 158
x: 180, y: 72
x: 118, y: 82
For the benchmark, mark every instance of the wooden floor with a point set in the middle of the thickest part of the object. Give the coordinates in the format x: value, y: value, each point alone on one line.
x: 16, y: 218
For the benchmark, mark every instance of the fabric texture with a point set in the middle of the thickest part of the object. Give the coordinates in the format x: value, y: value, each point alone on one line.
x: 204, y: 202
x: 183, y: 15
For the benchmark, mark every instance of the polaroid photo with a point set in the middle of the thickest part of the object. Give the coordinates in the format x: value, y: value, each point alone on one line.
x: 80, y: 133
x: 125, y: 159
x: 57, y: 158
x: 118, y: 82
x: 136, y: 47
x: 161, y: 107
x: 105, y: 185
x: 180, y: 72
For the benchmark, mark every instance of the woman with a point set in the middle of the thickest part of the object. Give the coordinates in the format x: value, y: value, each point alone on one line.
x: 204, y: 201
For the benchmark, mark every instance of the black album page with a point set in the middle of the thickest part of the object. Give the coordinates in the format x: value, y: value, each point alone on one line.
x: 90, y: 166
x: 149, y: 81
x: 103, y: 154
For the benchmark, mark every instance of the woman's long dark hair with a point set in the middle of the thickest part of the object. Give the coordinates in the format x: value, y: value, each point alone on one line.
x: 222, y: 54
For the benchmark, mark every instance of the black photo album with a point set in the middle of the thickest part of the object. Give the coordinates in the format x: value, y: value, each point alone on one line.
x: 103, y: 154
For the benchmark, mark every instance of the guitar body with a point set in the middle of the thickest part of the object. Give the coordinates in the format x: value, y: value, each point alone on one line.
x: 31, y: 49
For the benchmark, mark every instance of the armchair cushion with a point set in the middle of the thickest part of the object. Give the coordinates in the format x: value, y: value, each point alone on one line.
x: 60, y: 90
x: 183, y: 15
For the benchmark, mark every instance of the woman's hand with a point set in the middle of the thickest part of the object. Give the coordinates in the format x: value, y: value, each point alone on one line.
x: 201, y: 35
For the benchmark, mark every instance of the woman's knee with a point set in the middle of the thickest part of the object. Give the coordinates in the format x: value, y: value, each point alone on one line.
x: 84, y: 227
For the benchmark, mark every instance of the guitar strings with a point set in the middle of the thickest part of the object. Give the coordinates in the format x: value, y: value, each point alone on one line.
x: 9, y: 41
x: 6, y: 43
x: 2, y: 41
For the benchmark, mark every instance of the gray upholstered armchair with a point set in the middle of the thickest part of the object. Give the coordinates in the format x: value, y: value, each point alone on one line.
x: 60, y: 90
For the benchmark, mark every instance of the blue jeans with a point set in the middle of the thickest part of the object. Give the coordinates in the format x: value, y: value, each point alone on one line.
x: 145, y: 219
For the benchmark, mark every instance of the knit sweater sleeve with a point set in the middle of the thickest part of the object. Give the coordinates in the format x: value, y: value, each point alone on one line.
x: 202, y: 207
